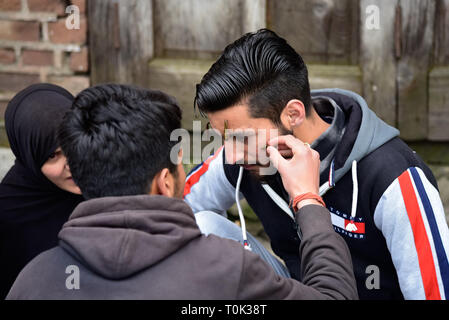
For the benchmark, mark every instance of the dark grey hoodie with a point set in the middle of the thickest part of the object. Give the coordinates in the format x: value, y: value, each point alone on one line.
x: 149, y: 247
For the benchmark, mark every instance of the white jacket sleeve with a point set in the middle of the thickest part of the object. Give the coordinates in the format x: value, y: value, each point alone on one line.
x: 207, y: 187
x: 411, y: 217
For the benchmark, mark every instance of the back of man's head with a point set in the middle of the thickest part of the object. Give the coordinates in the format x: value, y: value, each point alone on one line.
x: 117, y: 138
x: 261, y: 70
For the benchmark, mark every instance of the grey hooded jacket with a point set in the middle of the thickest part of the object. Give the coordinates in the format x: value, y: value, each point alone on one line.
x: 149, y: 247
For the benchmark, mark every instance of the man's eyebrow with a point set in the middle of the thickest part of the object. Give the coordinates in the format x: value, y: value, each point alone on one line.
x: 237, y: 133
x: 209, y: 125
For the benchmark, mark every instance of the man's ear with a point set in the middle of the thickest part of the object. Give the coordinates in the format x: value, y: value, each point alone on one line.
x: 163, y: 184
x: 293, y: 114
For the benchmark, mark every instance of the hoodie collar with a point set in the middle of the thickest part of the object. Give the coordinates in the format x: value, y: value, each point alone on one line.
x: 327, y: 143
x: 136, y: 203
x: 364, y: 131
x: 119, y: 236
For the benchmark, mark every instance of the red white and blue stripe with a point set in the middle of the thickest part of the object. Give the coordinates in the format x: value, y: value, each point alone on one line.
x: 216, y: 193
x: 198, y: 171
x: 432, y: 256
x: 411, y: 217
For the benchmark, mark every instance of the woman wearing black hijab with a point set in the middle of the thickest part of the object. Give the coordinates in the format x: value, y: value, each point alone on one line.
x: 37, y: 195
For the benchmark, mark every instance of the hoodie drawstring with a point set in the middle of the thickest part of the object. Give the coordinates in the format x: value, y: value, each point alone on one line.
x: 241, y: 217
x: 355, y: 194
x: 355, y: 189
x: 330, y: 183
x: 325, y: 187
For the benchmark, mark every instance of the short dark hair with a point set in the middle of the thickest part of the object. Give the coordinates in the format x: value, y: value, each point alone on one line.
x: 260, y: 69
x: 117, y: 138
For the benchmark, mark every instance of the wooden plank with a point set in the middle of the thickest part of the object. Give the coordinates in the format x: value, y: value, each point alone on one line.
x: 439, y: 104
x: 377, y: 57
x: 254, y: 15
x: 334, y: 76
x: 178, y: 77
x: 432, y: 152
x: 441, y: 48
x: 3, y: 136
x: 412, y: 69
x: 439, y: 77
x: 196, y: 26
x: 120, y: 40
x: 322, y: 31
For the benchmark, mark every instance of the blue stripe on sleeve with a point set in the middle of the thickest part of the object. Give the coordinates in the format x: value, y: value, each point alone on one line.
x: 439, y: 248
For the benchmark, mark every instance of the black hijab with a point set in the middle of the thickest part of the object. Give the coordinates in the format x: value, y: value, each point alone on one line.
x: 32, y: 208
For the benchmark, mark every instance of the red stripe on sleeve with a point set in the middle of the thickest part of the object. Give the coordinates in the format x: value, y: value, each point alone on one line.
x: 424, y: 251
x: 194, y: 178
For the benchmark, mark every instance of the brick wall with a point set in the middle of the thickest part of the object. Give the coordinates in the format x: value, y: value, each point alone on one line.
x: 36, y: 46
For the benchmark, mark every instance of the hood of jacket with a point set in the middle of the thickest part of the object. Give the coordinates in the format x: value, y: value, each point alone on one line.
x: 119, y: 236
x: 364, y: 131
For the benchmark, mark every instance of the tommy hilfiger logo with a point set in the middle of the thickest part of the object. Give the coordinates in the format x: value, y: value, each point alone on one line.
x: 344, y: 224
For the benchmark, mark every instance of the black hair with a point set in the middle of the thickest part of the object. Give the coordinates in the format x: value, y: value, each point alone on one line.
x: 117, y: 138
x: 260, y: 69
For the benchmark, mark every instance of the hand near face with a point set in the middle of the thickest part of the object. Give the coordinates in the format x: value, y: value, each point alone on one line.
x: 300, y: 174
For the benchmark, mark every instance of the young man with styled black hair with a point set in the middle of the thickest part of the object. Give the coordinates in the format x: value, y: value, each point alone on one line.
x: 383, y: 199
x: 135, y: 238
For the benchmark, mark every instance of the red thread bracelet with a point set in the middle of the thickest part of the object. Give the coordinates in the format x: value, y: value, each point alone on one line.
x: 306, y: 196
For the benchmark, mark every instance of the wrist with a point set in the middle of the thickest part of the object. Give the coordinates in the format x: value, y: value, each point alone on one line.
x: 304, y: 199
x: 299, y: 191
x: 306, y: 202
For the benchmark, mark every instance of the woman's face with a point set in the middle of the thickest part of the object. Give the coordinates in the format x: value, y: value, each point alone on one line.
x: 57, y: 171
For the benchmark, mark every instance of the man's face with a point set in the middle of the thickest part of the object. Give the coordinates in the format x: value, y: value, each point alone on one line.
x: 245, y: 137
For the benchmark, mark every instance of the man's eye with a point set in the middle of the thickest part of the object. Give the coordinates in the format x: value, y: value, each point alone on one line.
x: 52, y: 155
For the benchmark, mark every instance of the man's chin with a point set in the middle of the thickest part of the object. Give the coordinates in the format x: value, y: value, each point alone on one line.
x: 251, y: 167
x: 257, y: 172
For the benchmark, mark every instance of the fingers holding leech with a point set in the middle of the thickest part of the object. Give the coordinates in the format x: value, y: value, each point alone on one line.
x: 289, y: 145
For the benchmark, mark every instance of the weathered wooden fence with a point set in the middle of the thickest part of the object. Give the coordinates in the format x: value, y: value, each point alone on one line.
x: 393, y: 52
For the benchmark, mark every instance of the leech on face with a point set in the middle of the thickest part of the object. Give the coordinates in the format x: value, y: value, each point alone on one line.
x: 225, y: 127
